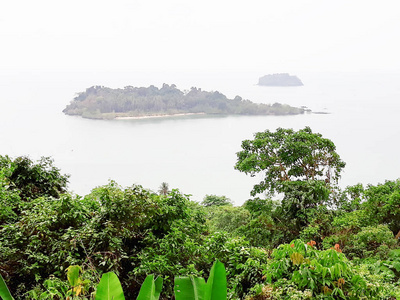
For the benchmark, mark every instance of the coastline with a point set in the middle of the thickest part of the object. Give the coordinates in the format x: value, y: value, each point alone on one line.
x: 157, y: 116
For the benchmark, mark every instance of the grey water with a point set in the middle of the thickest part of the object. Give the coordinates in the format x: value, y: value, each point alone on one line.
x: 359, y: 112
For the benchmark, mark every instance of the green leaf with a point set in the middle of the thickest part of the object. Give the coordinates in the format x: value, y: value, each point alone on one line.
x: 195, y: 288
x: 73, y: 275
x: 151, y: 288
x: 4, y: 292
x: 396, y: 265
x: 216, y: 288
x: 109, y: 288
x: 189, y: 288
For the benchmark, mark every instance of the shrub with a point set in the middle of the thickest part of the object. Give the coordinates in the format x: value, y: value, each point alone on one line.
x: 299, y: 270
x: 371, y: 241
x: 33, y: 180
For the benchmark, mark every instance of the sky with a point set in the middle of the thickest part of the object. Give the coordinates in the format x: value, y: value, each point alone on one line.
x: 206, y: 35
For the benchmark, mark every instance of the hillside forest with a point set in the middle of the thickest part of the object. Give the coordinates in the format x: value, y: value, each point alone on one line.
x: 301, y: 236
x: 99, y: 102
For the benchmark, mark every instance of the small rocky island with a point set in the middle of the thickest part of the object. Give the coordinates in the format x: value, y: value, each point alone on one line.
x: 99, y: 102
x: 279, y: 79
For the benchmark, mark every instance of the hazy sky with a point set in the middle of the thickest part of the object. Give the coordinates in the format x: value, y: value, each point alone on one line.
x: 179, y: 35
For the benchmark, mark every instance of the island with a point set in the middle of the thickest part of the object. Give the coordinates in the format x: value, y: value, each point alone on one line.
x: 99, y: 102
x: 279, y: 79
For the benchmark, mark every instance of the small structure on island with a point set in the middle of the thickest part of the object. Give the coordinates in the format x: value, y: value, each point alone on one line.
x: 279, y: 79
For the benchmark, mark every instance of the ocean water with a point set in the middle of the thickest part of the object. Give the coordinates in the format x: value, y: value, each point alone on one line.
x: 197, y: 154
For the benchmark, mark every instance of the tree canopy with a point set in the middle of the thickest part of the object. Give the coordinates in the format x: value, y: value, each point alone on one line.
x: 33, y: 179
x: 287, y: 155
x: 214, y: 200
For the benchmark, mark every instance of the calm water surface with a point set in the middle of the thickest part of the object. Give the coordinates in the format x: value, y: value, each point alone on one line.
x: 197, y: 154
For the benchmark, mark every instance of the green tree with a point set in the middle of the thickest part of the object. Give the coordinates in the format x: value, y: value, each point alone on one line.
x: 214, y: 200
x: 33, y: 180
x: 227, y: 218
x: 382, y: 204
x: 265, y: 227
x: 301, y: 165
x: 287, y: 155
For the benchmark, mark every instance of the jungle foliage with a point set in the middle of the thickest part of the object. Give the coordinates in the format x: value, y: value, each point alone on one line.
x: 99, y: 102
x: 317, y: 242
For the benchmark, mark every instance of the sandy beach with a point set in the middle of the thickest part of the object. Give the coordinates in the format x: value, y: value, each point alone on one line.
x: 157, y: 116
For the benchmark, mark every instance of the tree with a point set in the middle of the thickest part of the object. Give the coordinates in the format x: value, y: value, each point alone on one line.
x: 164, y: 189
x: 33, y: 180
x: 286, y: 155
x: 214, y: 200
x: 301, y: 165
x: 382, y: 203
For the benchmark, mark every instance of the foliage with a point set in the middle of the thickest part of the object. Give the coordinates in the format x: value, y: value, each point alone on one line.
x: 9, y: 200
x: 286, y: 156
x: 350, y: 198
x: 227, y: 218
x: 302, y: 201
x: 79, y: 286
x: 264, y: 227
x: 4, y: 292
x: 187, y: 288
x: 33, y: 180
x: 21, y: 179
x: 255, y: 221
x: 382, y: 204
x: 176, y: 253
x: 369, y: 241
x: 301, y: 165
x: 55, y: 245
x: 102, y: 102
x: 377, y: 204
x: 326, y: 274
x: 214, y: 200
x: 151, y: 288
x: 257, y: 206
x: 244, y: 264
x: 320, y: 226
x: 110, y: 229
x: 366, y: 220
x: 389, y: 267
x: 109, y: 288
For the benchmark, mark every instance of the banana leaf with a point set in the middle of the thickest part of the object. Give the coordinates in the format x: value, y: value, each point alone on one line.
x: 151, y: 288
x: 4, y: 292
x: 216, y: 284
x: 195, y: 288
x: 109, y: 288
x: 189, y: 288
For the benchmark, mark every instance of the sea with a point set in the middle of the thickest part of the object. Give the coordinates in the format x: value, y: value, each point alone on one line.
x: 358, y: 111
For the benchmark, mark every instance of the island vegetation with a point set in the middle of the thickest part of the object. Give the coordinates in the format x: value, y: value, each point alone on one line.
x: 280, y: 79
x: 99, y: 102
x: 318, y: 242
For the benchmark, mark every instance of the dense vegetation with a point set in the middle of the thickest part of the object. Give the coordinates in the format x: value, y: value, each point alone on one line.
x: 100, y: 102
x: 317, y: 242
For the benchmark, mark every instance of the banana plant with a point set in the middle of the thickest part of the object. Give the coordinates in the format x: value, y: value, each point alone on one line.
x: 151, y: 288
x: 195, y: 288
x: 4, y: 292
x: 109, y: 288
x: 185, y: 288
